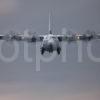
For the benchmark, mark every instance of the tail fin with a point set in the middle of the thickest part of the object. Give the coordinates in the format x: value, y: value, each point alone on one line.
x: 50, y: 30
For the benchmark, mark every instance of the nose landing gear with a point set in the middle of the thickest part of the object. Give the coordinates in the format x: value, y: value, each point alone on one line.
x: 50, y: 48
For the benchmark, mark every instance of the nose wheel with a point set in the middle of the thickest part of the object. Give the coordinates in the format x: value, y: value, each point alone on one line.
x: 51, y: 48
x: 58, y: 50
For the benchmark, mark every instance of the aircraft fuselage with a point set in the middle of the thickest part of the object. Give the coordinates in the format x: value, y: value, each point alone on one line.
x: 50, y: 44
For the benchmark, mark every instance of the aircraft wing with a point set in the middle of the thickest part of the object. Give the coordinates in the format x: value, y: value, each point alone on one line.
x: 38, y: 38
x: 65, y: 38
x: 76, y: 37
x: 20, y: 37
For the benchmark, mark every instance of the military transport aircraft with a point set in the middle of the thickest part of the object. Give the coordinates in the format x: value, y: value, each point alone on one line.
x: 50, y: 42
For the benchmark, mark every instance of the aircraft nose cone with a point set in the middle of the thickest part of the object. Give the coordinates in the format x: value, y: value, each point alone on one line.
x: 51, y: 41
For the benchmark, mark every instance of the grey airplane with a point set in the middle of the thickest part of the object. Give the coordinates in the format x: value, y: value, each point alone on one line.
x: 50, y: 42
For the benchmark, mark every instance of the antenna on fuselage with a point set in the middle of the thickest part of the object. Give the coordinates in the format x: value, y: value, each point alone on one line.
x: 50, y: 31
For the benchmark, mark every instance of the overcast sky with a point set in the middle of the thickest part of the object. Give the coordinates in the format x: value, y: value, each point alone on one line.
x: 56, y: 80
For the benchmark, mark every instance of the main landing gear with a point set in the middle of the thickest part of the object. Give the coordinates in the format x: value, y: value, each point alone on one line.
x: 42, y: 50
x: 58, y: 50
x: 51, y: 50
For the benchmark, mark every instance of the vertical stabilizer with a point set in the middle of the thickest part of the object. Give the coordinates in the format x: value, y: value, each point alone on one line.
x: 50, y: 31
